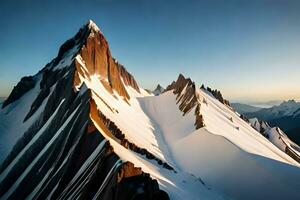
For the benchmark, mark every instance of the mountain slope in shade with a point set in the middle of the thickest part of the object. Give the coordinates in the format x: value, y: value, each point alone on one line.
x: 286, y: 108
x: 84, y: 128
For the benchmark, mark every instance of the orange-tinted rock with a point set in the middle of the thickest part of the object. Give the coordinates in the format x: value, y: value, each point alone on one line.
x: 98, y: 61
x: 187, y: 98
x: 128, y: 170
x: 128, y: 78
x: 199, y: 123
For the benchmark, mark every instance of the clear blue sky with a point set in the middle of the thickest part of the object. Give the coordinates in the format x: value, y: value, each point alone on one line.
x: 248, y: 49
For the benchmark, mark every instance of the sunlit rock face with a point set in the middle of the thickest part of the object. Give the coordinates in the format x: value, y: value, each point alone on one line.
x: 96, y: 57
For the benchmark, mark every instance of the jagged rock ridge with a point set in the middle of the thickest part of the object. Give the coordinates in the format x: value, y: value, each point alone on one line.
x: 187, y: 98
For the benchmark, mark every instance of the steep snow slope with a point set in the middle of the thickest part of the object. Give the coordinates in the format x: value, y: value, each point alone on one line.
x: 227, y: 153
x: 140, y: 130
x: 285, y: 109
x: 12, y: 123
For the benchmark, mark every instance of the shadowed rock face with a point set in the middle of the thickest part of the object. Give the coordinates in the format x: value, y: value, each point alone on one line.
x: 130, y: 177
x: 62, y: 154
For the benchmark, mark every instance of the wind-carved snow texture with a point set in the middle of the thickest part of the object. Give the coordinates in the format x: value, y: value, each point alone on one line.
x: 87, y: 130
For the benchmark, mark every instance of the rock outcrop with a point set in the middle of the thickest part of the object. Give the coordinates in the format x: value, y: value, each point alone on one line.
x: 187, y: 98
x: 218, y: 95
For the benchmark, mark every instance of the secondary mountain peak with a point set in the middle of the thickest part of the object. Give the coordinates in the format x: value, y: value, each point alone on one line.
x: 180, y: 84
x: 158, y: 90
x: 92, y: 25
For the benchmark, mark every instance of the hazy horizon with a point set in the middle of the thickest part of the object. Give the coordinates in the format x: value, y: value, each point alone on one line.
x: 249, y: 50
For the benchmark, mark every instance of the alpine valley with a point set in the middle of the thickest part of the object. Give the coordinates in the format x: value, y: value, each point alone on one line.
x: 83, y: 128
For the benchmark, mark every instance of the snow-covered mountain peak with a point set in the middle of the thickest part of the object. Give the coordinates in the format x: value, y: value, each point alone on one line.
x: 289, y: 104
x: 92, y: 25
x: 89, y: 54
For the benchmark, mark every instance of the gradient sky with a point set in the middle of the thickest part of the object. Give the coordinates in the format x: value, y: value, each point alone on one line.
x: 248, y: 49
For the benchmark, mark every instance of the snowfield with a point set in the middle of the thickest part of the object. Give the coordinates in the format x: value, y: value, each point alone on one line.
x: 228, y: 155
x: 239, y: 162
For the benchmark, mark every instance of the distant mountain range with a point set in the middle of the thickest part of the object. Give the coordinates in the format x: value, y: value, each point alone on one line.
x: 244, y: 108
x: 285, y: 115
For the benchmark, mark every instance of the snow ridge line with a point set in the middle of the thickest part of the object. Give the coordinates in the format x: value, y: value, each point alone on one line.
x: 117, y: 133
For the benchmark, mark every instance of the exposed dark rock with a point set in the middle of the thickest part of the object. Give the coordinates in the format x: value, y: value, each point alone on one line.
x: 188, y: 99
x: 199, y: 123
x: 217, y: 94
